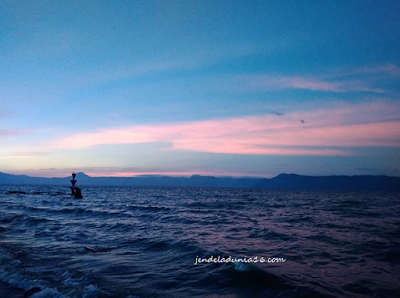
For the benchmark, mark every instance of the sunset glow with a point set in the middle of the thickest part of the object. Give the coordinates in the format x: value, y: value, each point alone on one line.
x: 179, y: 89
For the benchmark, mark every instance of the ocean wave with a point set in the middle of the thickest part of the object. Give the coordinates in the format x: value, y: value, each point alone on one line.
x: 133, y: 242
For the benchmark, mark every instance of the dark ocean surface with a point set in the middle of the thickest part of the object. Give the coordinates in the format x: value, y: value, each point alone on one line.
x: 143, y: 242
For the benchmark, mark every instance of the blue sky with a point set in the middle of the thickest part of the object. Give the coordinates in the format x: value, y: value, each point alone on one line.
x: 244, y: 88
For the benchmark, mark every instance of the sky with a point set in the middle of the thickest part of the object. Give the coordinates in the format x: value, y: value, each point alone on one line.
x: 211, y: 87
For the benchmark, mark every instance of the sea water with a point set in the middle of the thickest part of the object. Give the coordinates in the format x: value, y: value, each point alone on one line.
x: 145, y: 242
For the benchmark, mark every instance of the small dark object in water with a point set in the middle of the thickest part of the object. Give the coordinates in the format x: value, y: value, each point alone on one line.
x: 77, y: 193
x: 31, y: 291
x: 12, y: 192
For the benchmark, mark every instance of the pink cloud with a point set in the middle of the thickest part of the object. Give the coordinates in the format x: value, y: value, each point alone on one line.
x: 173, y: 173
x: 129, y: 172
x: 325, y: 131
x: 11, y: 132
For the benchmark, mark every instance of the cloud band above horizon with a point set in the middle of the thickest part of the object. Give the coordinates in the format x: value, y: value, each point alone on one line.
x: 322, y: 131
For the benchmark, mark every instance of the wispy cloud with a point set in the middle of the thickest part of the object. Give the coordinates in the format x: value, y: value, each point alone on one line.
x: 10, y: 132
x: 31, y: 154
x: 132, y: 70
x: 389, y: 69
x: 324, y: 132
x: 312, y: 83
x: 361, y: 79
x: 24, y: 155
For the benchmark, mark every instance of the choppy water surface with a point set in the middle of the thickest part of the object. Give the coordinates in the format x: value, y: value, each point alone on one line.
x: 143, y: 242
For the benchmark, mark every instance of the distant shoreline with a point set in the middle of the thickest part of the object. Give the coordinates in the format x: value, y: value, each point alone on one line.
x: 280, y: 182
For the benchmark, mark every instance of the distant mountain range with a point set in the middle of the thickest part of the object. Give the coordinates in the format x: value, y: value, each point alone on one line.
x: 280, y: 182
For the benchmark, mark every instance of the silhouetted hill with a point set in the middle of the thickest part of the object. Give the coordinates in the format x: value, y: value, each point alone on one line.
x: 281, y: 182
x: 355, y: 183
